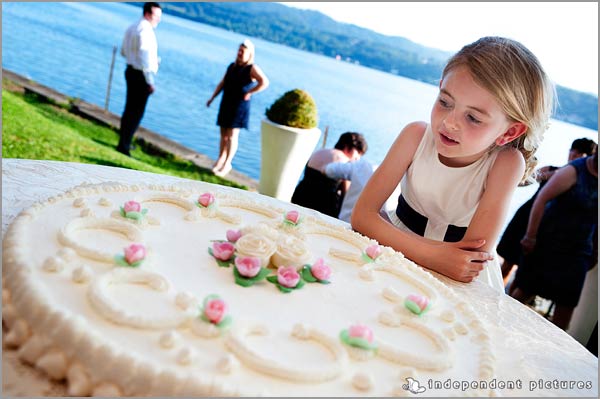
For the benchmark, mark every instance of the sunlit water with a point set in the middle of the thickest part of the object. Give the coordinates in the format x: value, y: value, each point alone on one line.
x: 68, y: 46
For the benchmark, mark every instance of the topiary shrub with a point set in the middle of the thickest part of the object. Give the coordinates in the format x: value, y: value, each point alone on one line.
x: 296, y: 108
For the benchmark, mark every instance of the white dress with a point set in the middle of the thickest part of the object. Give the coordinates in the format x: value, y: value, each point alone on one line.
x: 446, y: 196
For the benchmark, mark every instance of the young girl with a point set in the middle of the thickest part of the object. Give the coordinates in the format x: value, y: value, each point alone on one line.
x: 459, y: 171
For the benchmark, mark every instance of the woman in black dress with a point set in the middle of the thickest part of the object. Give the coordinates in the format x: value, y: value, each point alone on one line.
x: 559, y: 241
x: 509, y: 247
x: 242, y: 79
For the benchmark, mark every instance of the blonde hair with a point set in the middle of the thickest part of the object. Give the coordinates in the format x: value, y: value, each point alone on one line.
x: 250, y: 46
x: 515, y: 77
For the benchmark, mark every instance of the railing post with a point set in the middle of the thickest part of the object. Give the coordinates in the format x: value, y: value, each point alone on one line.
x: 325, y: 136
x: 112, y: 65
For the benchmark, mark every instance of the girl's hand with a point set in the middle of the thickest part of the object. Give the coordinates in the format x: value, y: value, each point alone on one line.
x: 459, y: 260
x: 209, y: 102
x: 247, y: 96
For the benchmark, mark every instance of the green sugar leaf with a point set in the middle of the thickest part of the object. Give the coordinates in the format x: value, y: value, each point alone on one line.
x: 283, y: 289
x: 134, y: 216
x: 120, y: 260
x: 261, y: 275
x: 241, y: 280
x: 225, y: 323
x: 307, y: 275
x: 366, y: 258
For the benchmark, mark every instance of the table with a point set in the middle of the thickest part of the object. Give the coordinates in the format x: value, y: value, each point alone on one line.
x: 528, y: 347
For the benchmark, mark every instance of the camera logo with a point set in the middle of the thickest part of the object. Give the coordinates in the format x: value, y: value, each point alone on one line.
x: 413, y: 386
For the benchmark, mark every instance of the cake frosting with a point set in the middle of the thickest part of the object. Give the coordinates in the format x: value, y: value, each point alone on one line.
x: 136, y: 290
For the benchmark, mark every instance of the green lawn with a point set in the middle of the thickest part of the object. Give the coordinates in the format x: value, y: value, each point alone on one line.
x: 33, y: 129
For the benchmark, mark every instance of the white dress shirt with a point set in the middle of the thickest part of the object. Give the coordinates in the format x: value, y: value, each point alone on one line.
x: 140, y: 49
x: 358, y: 172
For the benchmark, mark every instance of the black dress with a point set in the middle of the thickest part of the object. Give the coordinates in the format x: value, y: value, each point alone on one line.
x: 564, y: 250
x: 319, y: 192
x: 509, y: 246
x: 234, y: 111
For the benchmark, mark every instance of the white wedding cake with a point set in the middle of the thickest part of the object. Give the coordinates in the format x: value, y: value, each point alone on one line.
x: 149, y: 290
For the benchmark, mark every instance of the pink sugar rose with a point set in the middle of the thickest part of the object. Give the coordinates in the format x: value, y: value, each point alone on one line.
x: 288, y: 276
x: 292, y: 216
x: 214, y: 310
x: 320, y: 270
x: 132, y: 206
x: 223, y: 250
x: 373, y: 251
x: 206, y: 200
x: 135, y: 253
x: 419, y: 300
x: 247, y: 266
x: 361, y: 331
x: 233, y: 235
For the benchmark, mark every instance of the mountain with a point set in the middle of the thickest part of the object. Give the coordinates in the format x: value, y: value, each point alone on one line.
x: 315, y: 32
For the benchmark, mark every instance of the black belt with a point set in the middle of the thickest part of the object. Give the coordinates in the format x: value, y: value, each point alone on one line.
x: 417, y: 222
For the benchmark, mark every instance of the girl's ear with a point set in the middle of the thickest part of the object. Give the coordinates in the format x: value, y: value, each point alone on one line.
x: 514, y: 131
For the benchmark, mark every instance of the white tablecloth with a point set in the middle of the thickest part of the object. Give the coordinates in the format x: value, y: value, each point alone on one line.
x: 528, y: 348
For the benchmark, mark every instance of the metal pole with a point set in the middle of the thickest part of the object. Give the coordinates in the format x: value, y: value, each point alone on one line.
x: 325, y: 136
x: 112, y: 65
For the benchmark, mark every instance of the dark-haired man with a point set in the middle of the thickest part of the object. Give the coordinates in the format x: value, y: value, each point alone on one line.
x: 140, y: 49
x: 318, y: 191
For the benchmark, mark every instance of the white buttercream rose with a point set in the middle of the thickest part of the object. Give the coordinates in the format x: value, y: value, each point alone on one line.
x: 256, y: 246
x: 291, y: 251
x: 262, y: 229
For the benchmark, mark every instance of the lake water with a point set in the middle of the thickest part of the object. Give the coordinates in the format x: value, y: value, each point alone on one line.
x: 68, y: 46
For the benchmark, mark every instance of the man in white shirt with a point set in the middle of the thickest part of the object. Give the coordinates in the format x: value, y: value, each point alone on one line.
x: 140, y: 49
x: 358, y: 173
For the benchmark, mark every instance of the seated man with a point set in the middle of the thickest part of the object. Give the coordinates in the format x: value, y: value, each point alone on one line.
x: 358, y: 173
x: 316, y: 190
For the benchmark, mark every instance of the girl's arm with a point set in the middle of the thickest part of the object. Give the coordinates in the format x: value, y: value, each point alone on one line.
x: 386, y: 178
x: 560, y: 182
x: 263, y: 82
x: 452, y: 259
x: 502, y: 180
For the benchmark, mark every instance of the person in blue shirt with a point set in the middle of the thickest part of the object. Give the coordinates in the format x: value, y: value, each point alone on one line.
x: 318, y: 191
x: 357, y: 173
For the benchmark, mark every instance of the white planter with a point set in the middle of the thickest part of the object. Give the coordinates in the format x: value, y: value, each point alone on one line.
x: 284, y: 153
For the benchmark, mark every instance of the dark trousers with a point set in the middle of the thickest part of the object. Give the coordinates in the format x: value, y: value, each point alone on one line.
x: 138, y: 92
